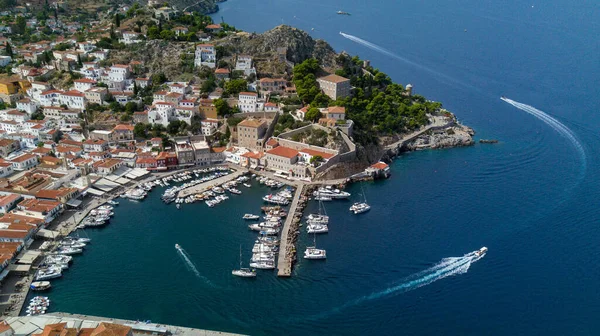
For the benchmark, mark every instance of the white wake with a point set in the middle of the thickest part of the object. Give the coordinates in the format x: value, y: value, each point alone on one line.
x: 384, y: 51
x: 445, y: 268
x: 559, y: 127
x: 191, y: 265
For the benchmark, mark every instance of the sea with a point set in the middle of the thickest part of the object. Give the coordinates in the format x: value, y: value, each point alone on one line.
x: 403, y: 268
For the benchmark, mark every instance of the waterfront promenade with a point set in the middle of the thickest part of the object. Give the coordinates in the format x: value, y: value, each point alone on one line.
x: 438, y: 122
x: 287, y: 248
x: 198, y: 188
x: 25, y: 325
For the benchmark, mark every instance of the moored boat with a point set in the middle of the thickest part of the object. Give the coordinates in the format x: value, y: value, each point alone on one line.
x: 40, y: 285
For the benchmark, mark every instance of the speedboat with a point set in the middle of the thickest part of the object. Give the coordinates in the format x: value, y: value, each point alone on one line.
x: 323, y: 198
x: 481, y: 251
x: 250, y: 217
x: 177, y: 246
x: 247, y: 185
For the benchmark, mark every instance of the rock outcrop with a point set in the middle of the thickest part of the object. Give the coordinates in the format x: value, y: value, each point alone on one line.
x: 299, y: 44
x: 454, y: 136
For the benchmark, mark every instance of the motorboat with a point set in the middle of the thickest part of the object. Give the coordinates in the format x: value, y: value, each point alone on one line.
x: 40, y: 285
x: 323, y: 198
x: 274, y: 199
x: 250, y: 217
x: 270, y: 232
x: 342, y: 13
x: 111, y: 202
x: 48, y: 273
x: 177, y: 246
x: 69, y: 250
x: 328, y: 191
x: 318, y: 219
x: 263, y: 265
x: 481, y: 251
x: 247, y: 185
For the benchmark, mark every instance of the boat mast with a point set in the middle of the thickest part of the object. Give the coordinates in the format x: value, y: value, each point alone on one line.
x: 240, y: 256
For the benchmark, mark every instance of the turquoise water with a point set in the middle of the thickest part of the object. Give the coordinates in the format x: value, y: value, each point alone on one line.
x: 532, y: 198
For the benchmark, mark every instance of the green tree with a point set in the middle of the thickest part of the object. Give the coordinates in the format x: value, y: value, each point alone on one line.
x: 313, y: 114
x: 79, y: 62
x: 117, y: 20
x: 8, y: 49
x: 135, y: 88
x: 20, y: 25
x: 167, y: 34
x: 222, y: 107
x: 153, y: 33
x: 315, y: 160
x: 158, y: 79
x: 130, y: 107
x: 236, y: 86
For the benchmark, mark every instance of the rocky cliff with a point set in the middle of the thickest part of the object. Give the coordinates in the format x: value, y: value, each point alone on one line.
x: 299, y: 45
x: 455, y: 136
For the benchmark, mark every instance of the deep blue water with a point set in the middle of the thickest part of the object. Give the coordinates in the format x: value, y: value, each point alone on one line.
x: 532, y: 198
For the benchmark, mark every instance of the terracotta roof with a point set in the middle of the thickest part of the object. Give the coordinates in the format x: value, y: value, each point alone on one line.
x: 73, y: 93
x: 249, y: 93
x: 218, y: 149
x: 334, y: 78
x: 283, y: 152
x: 111, y: 329
x: 108, y: 163
x: 23, y: 157
x: 254, y: 123
x: 379, y: 165
x: 50, y: 159
x: 213, y: 26
x: 120, y: 66
x: 123, y: 127
x: 85, y: 80
x: 222, y: 71
x: 272, y: 142
x: 7, y: 199
x: 54, y: 194
x: 336, y: 109
x: 270, y: 80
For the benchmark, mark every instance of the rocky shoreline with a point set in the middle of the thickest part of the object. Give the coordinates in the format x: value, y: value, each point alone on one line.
x: 453, y: 136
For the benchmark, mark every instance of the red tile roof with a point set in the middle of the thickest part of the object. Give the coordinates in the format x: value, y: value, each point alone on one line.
x: 283, y: 152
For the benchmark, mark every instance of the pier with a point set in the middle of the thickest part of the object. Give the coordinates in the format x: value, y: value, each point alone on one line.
x: 287, y: 249
x: 209, y: 184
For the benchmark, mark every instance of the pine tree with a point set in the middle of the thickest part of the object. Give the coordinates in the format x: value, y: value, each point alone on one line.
x: 55, y: 14
x: 135, y: 88
x: 117, y: 20
x: 9, y: 51
x: 79, y: 62
x: 159, y: 26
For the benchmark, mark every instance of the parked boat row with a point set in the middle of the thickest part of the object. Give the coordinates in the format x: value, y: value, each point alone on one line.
x: 137, y: 194
x: 316, y: 223
x: 269, y: 182
x: 38, y: 305
x: 98, y: 217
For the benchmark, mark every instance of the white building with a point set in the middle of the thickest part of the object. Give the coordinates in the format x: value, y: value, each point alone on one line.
x: 118, y: 72
x: 10, y: 126
x: 4, y: 60
x: 84, y: 84
x: 37, y: 88
x: 73, y: 99
x: 205, y: 55
x: 24, y: 162
x: 209, y: 126
x: 247, y: 101
x: 50, y: 97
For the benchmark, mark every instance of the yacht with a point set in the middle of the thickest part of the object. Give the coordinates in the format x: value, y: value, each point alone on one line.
x: 111, y: 202
x: 48, y: 273
x: 358, y: 208
x: 317, y: 228
x: 342, y: 13
x: 270, y: 232
x: 314, y: 253
x: 244, y: 272
x: 332, y: 193
x: 274, y: 199
x: 69, y: 250
x: 251, y: 217
x: 323, y: 198
x: 40, y: 285
x: 263, y: 265
x: 72, y: 244
x: 57, y: 259
x: 361, y: 207
x: 268, y: 240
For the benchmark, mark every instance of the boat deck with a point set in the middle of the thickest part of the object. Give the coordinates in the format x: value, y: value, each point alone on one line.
x: 287, y: 247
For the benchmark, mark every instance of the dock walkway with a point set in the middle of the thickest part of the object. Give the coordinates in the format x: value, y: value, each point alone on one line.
x: 287, y: 247
x: 209, y: 184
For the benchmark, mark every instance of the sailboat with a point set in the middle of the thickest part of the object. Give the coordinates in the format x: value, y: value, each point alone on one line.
x: 244, y: 272
x: 360, y: 207
x: 312, y: 252
x: 317, y: 223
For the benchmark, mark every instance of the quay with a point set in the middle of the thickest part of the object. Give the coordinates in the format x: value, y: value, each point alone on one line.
x: 287, y: 248
x: 198, y: 188
x: 27, y: 325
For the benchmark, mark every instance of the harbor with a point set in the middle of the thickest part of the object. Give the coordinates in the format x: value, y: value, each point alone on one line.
x: 287, y: 249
